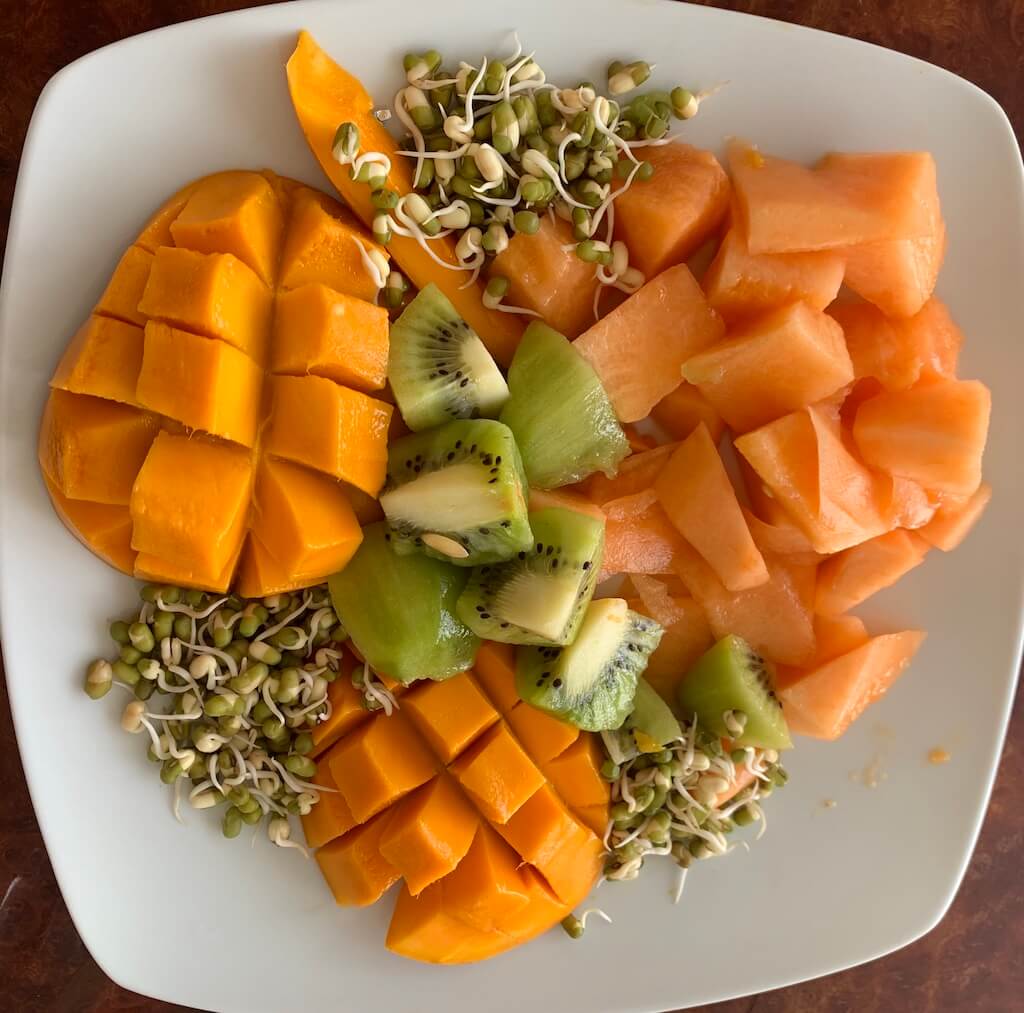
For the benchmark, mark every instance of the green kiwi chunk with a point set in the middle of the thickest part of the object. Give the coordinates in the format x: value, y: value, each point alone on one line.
x: 458, y: 493
x: 399, y: 610
x: 540, y: 595
x: 733, y: 677
x: 438, y: 367
x: 651, y: 721
x: 591, y: 683
x: 560, y: 414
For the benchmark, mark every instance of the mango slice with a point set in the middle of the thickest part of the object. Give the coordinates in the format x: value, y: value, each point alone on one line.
x: 103, y: 359
x: 356, y: 871
x: 450, y: 714
x: 498, y: 774
x: 123, y: 293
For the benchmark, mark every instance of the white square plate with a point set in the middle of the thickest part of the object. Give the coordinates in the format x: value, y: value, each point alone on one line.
x: 180, y: 914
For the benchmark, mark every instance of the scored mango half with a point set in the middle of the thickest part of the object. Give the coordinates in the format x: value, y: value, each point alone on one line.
x: 490, y: 812
x: 213, y: 422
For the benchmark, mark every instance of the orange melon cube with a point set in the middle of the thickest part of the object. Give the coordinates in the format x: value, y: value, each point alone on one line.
x: 324, y: 246
x: 429, y: 833
x: 495, y: 669
x: 636, y: 474
x: 330, y: 334
x: 934, y: 435
x: 824, y: 702
x: 694, y: 487
x: 541, y: 499
x: 545, y: 277
x: 331, y: 816
x: 638, y: 536
x: 771, y: 365
x: 739, y: 283
x: 103, y: 359
x: 214, y: 294
x: 347, y: 709
x: 103, y: 528
x: 833, y: 636
x: 330, y: 428
x: 781, y: 537
x: 203, y: 383
x: 450, y: 715
x: 638, y: 349
x: 686, y: 637
x: 497, y: 774
x: 92, y: 449
x: 355, y: 870
x: 666, y: 219
x: 422, y: 929
x: 542, y: 736
x: 303, y: 519
x: 378, y: 763
x: 854, y: 575
x: 576, y: 774
x: 953, y: 521
x: 237, y: 213
x: 123, y: 293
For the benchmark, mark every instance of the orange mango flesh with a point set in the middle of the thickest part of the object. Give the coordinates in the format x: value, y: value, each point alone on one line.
x: 325, y: 95
x: 771, y: 365
x: 576, y: 774
x: 952, y: 522
x: 450, y: 714
x: 185, y: 328
x: 542, y: 736
x: 666, y: 219
x: 355, y: 870
x: 331, y: 817
x: 347, y: 710
x: 105, y: 528
x: 495, y: 668
x: 639, y: 348
x: 693, y: 487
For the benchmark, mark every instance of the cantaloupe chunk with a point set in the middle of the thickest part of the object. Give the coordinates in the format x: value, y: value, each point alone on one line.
x: 325, y: 95
x: 697, y: 496
x: 450, y: 715
x: 378, y: 763
x: 495, y: 669
x: 639, y: 441
x: 541, y: 499
x: 825, y: 489
x: 497, y: 774
x: 836, y: 635
x: 771, y: 365
x: 213, y: 294
x: 303, y: 519
x: 953, y: 521
x: 330, y: 428
x: 638, y: 536
x: 680, y: 411
x: 92, y: 449
x: 636, y: 474
x: 203, y: 383
x: 542, y: 735
x: 825, y: 701
x: 121, y: 297
x: 666, y: 219
x: 199, y: 532
x: 739, y: 283
x: 934, y: 435
x: 355, y: 870
x: 639, y: 348
x: 576, y: 774
x: 854, y: 575
x: 905, y: 503
x: 331, y: 816
x: 549, y: 279
x: 237, y: 213
x: 429, y: 832
x: 327, y: 333
x: 783, y: 207
x: 781, y: 537
x: 103, y: 359
x: 101, y: 527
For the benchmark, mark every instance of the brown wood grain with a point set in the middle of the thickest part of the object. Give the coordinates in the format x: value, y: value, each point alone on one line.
x: 971, y: 962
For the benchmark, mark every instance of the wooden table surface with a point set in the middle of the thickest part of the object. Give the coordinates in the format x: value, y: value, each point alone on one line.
x: 971, y: 962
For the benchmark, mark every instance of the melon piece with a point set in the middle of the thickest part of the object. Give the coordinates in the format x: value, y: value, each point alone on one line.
x: 854, y: 575
x: 549, y: 279
x: 697, y: 496
x: 666, y: 219
x: 636, y: 474
x: 771, y: 365
x: 542, y: 499
x: 904, y: 503
x: 638, y: 537
x: 738, y: 283
x: 824, y: 701
x: 953, y: 520
x: 784, y: 207
x: 933, y: 434
x: 781, y: 537
x: 639, y: 348
x: 829, y: 493
x: 680, y: 411
x: 833, y: 636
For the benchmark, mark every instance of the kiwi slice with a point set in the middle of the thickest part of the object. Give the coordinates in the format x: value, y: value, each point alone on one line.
x: 651, y: 721
x: 559, y: 412
x: 539, y: 596
x: 399, y: 611
x: 458, y: 493
x: 438, y: 367
x: 732, y: 676
x: 591, y: 683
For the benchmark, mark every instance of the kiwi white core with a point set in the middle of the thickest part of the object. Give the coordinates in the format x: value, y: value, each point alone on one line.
x: 491, y: 388
x: 538, y: 603
x: 597, y: 642
x: 458, y: 498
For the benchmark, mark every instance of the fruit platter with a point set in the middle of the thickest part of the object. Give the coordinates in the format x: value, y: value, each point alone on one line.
x: 487, y: 510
